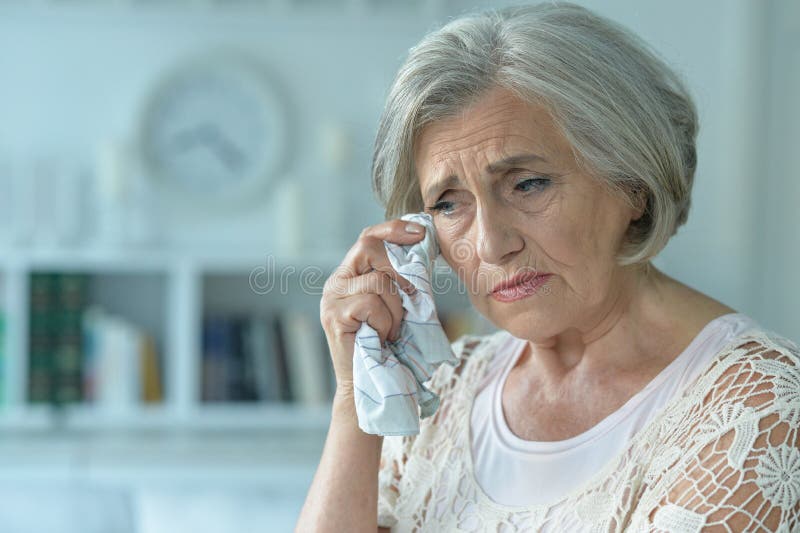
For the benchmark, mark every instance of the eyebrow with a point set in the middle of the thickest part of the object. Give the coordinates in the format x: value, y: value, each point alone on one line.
x: 491, y: 168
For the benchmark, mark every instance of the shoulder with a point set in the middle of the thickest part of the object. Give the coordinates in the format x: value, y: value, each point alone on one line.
x: 756, y: 373
x: 758, y: 357
x: 734, y: 438
x: 751, y: 383
x: 766, y: 375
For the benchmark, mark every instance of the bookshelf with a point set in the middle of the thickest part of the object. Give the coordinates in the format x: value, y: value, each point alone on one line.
x: 168, y: 296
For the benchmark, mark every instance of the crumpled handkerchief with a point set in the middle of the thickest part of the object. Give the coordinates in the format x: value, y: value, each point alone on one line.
x: 390, y: 396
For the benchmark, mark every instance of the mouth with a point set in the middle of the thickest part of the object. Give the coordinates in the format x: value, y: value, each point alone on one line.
x: 520, y: 286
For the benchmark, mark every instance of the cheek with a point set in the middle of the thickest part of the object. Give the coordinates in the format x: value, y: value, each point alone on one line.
x: 560, y: 241
x: 570, y: 250
x: 458, y: 251
x: 576, y: 240
x: 594, y: 264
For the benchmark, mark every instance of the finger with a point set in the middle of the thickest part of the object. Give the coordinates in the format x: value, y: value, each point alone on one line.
x: 396, y: 230
x: 373, y: 283
x: 383, y: 265
x: 380, y: 284
x: 371, y: 309
x: 368, y: 262
x: 369, y: 245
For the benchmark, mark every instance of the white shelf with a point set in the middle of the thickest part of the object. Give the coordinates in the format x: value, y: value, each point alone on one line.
x: 153, y: 261
x: 264, y: 417
x: 181, y: 276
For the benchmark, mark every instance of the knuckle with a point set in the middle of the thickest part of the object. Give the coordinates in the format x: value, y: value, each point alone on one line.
x: 366, y: 234
x: 326, y: 321
x: 384, y: 282
x: 358, y: 247
x: 344, y: 272
x: 337, y: 331
x: 387, y: 268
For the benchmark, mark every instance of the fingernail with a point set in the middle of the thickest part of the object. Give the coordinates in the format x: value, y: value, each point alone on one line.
x: 413, y: 228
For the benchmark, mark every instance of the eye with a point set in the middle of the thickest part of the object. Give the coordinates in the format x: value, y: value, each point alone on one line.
x: 532, y: 184
x: 442, y: 206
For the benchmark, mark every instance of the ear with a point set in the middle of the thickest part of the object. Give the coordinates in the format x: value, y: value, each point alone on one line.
x: 639, y: 202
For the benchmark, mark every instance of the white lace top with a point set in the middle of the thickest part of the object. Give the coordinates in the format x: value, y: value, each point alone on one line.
x: 724, y: 453
x: 509, y: 469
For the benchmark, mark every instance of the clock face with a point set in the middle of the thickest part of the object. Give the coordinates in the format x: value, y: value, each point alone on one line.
x: 213, y: 131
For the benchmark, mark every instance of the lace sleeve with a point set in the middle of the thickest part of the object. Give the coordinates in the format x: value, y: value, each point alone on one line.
x: 394, y: 455
x: 397, y: 450
x: 737, y: 468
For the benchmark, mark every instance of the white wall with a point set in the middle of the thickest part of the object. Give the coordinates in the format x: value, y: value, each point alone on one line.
x: 76, y: 76
x: 777, y: 176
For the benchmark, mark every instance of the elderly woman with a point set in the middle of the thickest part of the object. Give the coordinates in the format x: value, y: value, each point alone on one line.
x: 556, y: 156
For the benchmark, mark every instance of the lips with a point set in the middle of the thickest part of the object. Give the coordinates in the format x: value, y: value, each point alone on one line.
x: 520, y: 286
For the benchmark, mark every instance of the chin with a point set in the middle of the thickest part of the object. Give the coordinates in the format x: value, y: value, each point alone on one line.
x: 525, y: 327
x: 524, y: 322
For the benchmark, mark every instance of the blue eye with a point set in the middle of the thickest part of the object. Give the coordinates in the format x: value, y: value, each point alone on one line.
x: 530, y: 184
x: 441, y: 207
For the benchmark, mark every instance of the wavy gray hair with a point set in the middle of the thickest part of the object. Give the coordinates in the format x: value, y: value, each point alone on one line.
x: 629, y: 118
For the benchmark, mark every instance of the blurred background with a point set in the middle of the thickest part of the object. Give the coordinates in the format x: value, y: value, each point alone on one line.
x: 180, y: 177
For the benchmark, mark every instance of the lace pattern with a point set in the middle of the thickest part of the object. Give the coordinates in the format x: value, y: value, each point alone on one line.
x: 725, y: 456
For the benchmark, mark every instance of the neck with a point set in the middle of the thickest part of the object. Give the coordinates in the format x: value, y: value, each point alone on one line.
x: 618, y: 335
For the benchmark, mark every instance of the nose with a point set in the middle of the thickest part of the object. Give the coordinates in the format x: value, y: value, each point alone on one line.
x: 497, y: 239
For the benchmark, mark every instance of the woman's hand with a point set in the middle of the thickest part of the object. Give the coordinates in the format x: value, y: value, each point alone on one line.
x: 361, y: 290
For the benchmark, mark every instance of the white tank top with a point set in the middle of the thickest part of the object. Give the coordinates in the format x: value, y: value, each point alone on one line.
x: 514, y: 471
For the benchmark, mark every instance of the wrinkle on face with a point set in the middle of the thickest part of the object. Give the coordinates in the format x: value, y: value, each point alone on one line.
x: 573, y: 228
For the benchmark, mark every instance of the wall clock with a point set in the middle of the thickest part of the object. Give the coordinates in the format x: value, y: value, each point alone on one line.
x: 212, y: 133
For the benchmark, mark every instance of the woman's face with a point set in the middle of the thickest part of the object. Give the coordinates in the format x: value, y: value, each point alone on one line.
x: 508, y: 198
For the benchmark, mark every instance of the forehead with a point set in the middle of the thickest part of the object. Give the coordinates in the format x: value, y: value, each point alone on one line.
x: 497, y: 125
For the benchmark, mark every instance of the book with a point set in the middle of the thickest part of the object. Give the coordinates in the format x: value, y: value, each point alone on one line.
x: 90, y: 327
x: 121, y: 367
x: 57, y: 303
x: 40, y: 338
x: 275, y: 357
x: 217, y: 344
x: 152, y: 385
x: 113, y: 364
x: 307, y: 371
x: 70, y: 303
x: 241, y: 376
x: 262, y: 347
x: 287, y: 392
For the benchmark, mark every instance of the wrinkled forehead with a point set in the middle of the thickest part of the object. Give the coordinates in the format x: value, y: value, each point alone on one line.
x: 497, y: 127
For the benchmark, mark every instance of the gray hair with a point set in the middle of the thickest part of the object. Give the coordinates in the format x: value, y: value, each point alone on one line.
x: 629, y: 118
